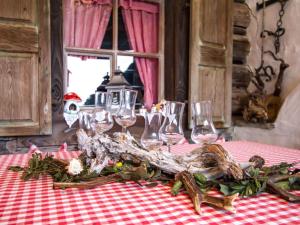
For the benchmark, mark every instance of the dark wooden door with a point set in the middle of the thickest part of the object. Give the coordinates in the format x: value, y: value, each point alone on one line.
x: 211, y: 56
x: 25, y: 76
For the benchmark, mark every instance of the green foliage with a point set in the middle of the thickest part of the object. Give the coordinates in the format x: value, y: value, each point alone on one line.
x: 202, y: 183
x: 38, y: 166
x: 253, y: 184
x: 176, y: 187
x: 293, y: 183
x: 280, y: 169
x: 255, y: 181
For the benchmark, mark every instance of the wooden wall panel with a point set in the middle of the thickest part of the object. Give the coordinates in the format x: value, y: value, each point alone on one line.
x: 25, y: 67
x: 18, y: 38
x: 211, y: 56
x: 45, y: 112
x: 177, y: 51
x: 212, y: 27
x: 25, y: 81
x: 211, y: 83
x: 5, y: 84
x: 59, y: 125
x: 22, y: 10
x: 19, y: 81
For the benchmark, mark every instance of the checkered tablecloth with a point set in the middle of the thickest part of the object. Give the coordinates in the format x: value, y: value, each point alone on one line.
x: 35, y: 202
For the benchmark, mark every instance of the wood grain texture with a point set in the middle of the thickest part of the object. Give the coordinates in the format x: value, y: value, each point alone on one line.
x: 22, y: 10
x: 25, y: 69
x: 18, y: 74
x: 239, y: 99
x: 212, y: 22
x: 211, y: 56
x: 241, y: 49
x: 239, y: 30
x: 241, y: 76
x: 19, y: 98
x: 59, y: 125
x: 45, y: 114
x: 57, y: 69
x: 176, y: 50
x: 211, y: 80
x: 18, y: 38
x: 241, y: 15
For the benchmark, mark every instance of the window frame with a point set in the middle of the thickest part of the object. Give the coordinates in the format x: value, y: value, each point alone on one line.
x: 115, y: 52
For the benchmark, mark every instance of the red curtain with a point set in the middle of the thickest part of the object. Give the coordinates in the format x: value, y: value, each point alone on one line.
x: 85, y: 24
x: 141, y: 21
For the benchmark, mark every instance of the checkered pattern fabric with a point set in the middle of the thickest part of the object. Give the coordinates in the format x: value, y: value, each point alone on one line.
x: 35, y: 202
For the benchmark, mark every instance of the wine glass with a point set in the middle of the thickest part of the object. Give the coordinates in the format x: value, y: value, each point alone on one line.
x: 150, y: 138
x: 84, y: 117
x: 171, y: 131
x: 125, y: 116
x: 114, y: 101
x: 204, y: 131
x: 102, y: 119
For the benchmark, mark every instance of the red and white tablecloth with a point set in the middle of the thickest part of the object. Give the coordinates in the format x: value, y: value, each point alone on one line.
x: 35, y: 202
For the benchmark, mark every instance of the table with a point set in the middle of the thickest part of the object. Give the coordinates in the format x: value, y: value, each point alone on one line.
x: 35, y: 202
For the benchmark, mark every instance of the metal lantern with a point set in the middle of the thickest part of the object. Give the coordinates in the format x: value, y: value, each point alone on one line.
x: 114, y: 88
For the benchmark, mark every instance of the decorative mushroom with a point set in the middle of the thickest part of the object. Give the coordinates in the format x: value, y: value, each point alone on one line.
x: 71, y: 108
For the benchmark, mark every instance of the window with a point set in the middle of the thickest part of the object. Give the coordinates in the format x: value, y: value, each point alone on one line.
x: 128, y: 34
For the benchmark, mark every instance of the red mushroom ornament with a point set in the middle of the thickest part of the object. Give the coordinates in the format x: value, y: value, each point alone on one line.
x: 72, y: 96
x: 71, y: 108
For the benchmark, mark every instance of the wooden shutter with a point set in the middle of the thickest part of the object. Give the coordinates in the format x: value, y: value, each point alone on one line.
x: 211, y: 56
x: 25, y: 76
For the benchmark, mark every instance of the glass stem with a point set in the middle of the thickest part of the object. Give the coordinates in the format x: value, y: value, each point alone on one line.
x: 124, y: 130
x: 169, y: 147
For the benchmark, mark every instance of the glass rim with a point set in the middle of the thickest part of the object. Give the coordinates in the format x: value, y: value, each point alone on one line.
x: 159, y: 113
x: 201, y: 101
x: 176, y: 102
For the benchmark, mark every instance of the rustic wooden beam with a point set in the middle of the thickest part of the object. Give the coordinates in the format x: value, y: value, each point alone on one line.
x: 241, y: 76
x: 240, y: 1
x: 241, y: 49
x: 239, y: 100
x: 241, y: 15
x: 239, y: 30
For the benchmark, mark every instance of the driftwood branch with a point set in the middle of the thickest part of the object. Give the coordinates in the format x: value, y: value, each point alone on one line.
x: 212, y: 161
x: 277, y: 190
x: 87, y: 184
x: 198, y: 198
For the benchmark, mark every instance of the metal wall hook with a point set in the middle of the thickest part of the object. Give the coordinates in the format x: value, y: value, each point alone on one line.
x: 260, y: 6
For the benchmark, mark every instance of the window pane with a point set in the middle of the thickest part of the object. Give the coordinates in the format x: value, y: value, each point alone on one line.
x: 107, y: 40
x: 128, y: 66
x: 85, y: 75
x: 123, y: 43
x: 138, y: 26
x: 132, y: 68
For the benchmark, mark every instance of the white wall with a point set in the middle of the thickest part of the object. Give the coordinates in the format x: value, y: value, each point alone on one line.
x: 290, y: 42
x: 287, y: 125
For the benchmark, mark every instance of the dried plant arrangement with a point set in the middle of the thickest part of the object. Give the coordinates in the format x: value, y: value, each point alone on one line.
x: 120, y: 158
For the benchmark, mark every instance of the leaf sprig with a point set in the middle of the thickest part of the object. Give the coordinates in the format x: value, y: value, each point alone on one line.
x: 56, y: 168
